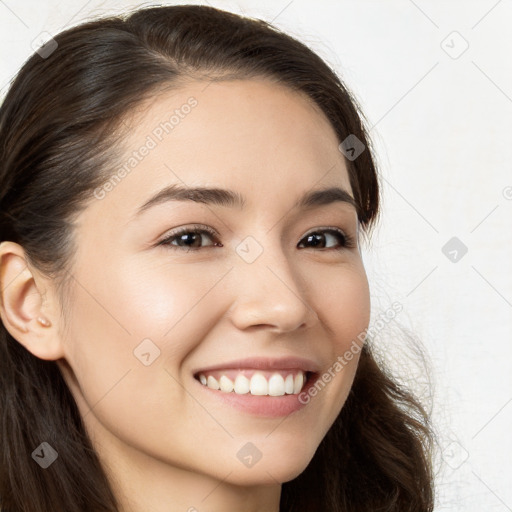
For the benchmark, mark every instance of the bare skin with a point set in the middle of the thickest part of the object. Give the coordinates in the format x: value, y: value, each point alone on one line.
x: 168, y: 443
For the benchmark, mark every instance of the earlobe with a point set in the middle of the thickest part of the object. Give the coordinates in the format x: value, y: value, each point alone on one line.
x: 21, y: 304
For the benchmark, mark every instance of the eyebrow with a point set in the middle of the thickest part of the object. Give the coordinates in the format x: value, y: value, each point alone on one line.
x: 232, y: 199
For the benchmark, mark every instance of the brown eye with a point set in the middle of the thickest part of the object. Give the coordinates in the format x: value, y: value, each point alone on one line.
x: 317, y: 239
x: 189, y: 238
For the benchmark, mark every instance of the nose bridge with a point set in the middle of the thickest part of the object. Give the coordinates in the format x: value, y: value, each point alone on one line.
x: 268, y: 288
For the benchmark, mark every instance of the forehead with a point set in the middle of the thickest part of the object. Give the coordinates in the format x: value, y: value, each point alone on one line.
x: 256, y: 137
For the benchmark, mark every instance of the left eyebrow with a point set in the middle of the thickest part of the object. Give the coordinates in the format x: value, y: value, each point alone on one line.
x: 231, y: 199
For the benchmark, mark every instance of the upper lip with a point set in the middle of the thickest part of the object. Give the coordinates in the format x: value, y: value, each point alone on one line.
x: 265, y: 363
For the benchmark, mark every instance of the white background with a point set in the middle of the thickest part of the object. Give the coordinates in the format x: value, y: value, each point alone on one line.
x: 441, y: 123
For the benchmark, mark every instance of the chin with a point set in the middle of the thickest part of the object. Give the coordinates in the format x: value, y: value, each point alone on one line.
x: 272, y: 469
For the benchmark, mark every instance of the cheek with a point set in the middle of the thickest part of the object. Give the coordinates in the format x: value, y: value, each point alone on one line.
x: 160, y: 297
x: 344, y: 301
x: 138, y: 320
x: 123, y: 378
x: 128, y: 304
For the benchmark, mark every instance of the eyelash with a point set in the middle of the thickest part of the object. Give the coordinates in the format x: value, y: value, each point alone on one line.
x: 348, y: 241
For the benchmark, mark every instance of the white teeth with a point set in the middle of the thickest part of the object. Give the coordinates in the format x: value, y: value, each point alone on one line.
x: 226, y: 384
x: 212, y: 382
x: 276, y: 385
x: 299, y: 381
x: 288, y: 384
x: 242, y: 385
x: 258, y: 384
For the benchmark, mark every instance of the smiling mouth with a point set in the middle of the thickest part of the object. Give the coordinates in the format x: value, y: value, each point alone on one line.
x: 255, y: 382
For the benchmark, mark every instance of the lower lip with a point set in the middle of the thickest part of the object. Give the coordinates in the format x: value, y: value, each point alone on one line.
x: 258, y: 405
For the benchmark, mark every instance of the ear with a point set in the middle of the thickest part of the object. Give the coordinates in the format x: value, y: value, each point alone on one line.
x: 26, y: 311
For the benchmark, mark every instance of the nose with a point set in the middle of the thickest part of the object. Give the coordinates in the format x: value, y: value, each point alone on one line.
x: 271, y: 293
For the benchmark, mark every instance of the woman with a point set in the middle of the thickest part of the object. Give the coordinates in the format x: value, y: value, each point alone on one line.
x: 184, y: 304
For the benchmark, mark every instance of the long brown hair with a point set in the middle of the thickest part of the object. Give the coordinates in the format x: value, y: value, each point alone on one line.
x: 59, y: 128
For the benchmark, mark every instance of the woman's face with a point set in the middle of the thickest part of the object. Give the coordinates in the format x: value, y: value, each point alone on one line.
x: 146, y: 316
